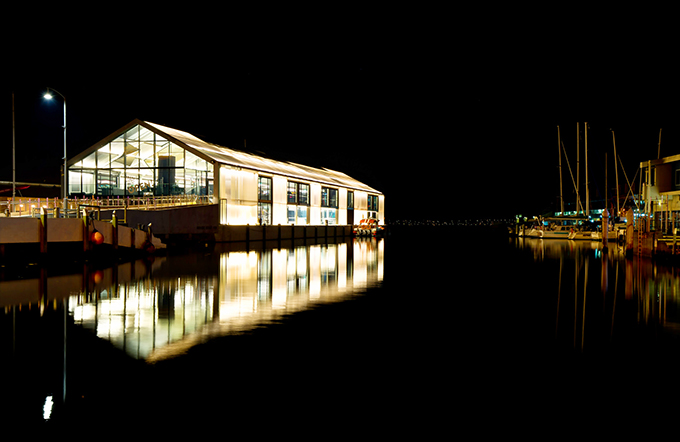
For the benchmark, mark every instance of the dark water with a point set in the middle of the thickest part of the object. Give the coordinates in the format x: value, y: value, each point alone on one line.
x: 430, y: 330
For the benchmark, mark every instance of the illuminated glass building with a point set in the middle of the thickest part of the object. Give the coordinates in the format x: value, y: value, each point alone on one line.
x: 147, y: 160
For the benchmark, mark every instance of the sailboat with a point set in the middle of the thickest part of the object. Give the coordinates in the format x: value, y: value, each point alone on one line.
x: 576, y: 227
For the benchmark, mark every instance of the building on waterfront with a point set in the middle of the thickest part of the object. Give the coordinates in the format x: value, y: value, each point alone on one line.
x: 660, y: 184
x: 147, y: 160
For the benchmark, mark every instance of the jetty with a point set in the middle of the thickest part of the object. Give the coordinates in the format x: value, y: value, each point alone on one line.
x: 40, y: 226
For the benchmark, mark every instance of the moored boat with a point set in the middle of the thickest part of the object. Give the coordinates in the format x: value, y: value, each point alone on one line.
x: 557, y: 232
x: 588, y: 235
x: 369, y: 227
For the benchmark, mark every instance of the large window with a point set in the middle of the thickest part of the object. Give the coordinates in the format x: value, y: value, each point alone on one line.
x: 329, y: 205
x: 264, y: 196
x: 373, y: 206
x: 264, y: 188
x: 292, y: 192
x: 298, y: 200
x: 373, y: 203
x: 140, y: 162
x: 303, y: 194
x: 329, y: 197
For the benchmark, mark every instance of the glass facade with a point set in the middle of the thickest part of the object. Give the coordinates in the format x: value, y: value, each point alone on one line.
x: 147, y: 160
x: 140, y: 162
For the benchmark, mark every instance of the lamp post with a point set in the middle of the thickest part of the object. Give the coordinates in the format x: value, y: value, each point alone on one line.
x: 64, y: 191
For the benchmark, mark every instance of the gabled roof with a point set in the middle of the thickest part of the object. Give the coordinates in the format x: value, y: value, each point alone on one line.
x: 235, y: 158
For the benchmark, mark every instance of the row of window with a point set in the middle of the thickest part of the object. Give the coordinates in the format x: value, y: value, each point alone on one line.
x: 298, y: 193
x: 298, y: 199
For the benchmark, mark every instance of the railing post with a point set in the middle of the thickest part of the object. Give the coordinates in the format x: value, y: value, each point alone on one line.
x: 43, y: 232
x: 114, y: 223
x: 86, y: 233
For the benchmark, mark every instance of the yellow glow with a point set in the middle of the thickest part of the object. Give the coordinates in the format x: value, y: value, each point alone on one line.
x: 247, y: 289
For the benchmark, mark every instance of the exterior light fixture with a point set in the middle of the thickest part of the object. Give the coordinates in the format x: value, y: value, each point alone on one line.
x: 64, y: 191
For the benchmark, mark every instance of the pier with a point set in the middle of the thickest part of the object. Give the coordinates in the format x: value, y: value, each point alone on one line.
x: 41, y: 226
x: 36, y: 237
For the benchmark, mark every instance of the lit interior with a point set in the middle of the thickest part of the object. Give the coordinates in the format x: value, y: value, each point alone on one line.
x: 147, y: 160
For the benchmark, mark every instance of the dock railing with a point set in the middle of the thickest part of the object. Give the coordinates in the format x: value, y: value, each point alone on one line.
x: 55, y: 207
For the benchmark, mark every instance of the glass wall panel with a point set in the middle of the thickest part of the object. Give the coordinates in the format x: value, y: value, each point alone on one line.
x: 328, y: 216
x: 264, y: 213
x: 146, y: 154
x: 162, y: 146
x: 132, y: 183
x: 329, y: 197
x: 132, y: 134
x: 90, y: 161
x: 178, y: 187
x: 194, y: 162
x: 292, y: 193
x: 178, y: 153
x: 118, y: 176
x: 75, y: 182
x: 140, y: 163
x: 373, y: 202
x: 264, y: 188
x: 303, y: 194
x: 146, y: 136
x: 103, y: 157
x: 117, y: 151
x: 301, y: 215
x: 324, y: 196
x: 105, y: 182
x: 332, y: 197
x: 88, y: 186
x: 132, y: 155
x: 166, y: 174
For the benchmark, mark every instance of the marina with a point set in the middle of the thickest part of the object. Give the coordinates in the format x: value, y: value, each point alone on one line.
x: 149, y: 336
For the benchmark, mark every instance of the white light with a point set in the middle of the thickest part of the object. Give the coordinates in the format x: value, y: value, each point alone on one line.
x: 48, y: 95
x: 47, y: 408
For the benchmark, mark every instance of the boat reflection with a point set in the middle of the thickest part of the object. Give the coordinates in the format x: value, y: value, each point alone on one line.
x: 604, y: 299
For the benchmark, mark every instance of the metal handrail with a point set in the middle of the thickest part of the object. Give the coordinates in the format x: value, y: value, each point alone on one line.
x: 32, y: 206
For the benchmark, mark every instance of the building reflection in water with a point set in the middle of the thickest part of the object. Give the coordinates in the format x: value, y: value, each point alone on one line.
x: 603, y: 298
x: 178, y: 304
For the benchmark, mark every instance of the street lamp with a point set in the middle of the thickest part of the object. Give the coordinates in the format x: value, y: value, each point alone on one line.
x: 64, y: 191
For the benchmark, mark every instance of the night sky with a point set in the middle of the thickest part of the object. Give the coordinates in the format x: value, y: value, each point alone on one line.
x: 451, y: 115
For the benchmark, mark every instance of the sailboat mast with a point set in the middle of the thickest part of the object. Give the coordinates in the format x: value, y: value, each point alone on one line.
x: 559, y: 151
x: 616, y: 169
x: 606, y: 193
x: 587, y: 190
x: 578, y: 165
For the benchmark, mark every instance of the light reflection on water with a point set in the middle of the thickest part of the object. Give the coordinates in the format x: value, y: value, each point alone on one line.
x: 159, y: 308
x: 154, y: 310
x: 604, y: 301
